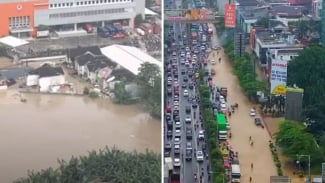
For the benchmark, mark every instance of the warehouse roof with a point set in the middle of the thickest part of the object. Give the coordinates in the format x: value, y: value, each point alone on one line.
x: 128, y: 57
x: 12, y: 41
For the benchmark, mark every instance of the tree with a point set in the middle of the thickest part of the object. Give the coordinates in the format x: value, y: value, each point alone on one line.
x: 149, y: 79
x: 263, y: 21
x: 307, y: 72
x: 108, y: 165
x: 138, y: 19
x: 293, y: 139
x: 121, y: 95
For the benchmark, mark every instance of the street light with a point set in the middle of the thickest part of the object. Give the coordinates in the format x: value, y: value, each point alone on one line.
x: 223, y: 175
x: 302, y: 155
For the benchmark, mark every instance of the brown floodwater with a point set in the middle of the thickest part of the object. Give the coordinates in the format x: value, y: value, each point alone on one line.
x: 33, y: 135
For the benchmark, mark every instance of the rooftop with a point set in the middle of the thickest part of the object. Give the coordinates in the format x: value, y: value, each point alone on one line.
x: 47, y: 70
x: 130, y: 58
x: 12, y: 41
x: 271, y: 38
x: 287, y: 11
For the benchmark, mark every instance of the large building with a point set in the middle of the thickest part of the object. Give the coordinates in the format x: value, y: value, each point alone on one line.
x: 21, y: 18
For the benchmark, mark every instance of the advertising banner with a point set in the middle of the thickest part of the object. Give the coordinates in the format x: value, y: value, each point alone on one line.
x: 278, y: 77
x: 230, y: 16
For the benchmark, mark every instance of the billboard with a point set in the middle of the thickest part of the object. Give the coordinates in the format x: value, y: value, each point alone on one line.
x: 230, y: 16
x: 278, y: 77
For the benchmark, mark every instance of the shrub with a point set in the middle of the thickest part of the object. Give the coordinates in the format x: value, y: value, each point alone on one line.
x: 86, y: 91
x: 93, y: 94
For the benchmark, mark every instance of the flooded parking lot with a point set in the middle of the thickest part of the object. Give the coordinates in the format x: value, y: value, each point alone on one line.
x: 34, y: 134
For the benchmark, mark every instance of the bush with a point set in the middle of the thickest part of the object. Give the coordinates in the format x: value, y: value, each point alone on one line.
x: 93, y: 94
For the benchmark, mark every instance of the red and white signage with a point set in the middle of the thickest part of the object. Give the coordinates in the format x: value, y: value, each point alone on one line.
x: 230, y: 16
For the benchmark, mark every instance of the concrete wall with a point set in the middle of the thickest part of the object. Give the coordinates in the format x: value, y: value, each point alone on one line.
x: 48, y: 17
x: 46, y: 82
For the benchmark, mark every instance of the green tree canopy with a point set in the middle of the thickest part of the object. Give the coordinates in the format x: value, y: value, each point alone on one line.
x: 108, y: 165
x: 121, y: 95
x: 307, y: 72
x: 149, y: 79
x: 293, y: 139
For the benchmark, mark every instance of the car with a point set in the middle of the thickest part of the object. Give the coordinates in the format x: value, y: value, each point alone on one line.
x: 176, y: 107
x: 169, y: 124
x: 178, y: 133
x: 194, y: 104
x: 169, y: 83
x: 168, y: 146
x: 178, y: 125
x: 189, y: 133
x: 169, y: 133
x: 176, y: 103
x: 188, y: 155
x: 217, y: 48
x: 258, y: 121
x: 184, y: 85
x: 176, y: 118
x: 177, y: 140
x: 177, y: 162
x: 166, y: 153
x: 201, y: 134
x: 190, y: 85
x: 168, y: 117
x: 187, y: 109
x: 182, y: 61
x: 185, y: 93
x: 176, y: 97
x: 177, y: 149
x: 188, y: 119
x: 185, y: 79
x: 189, y: 146
x: 169, y: 92
x: 199, y: 156
x: 252, y: 112
x: 235, y: 161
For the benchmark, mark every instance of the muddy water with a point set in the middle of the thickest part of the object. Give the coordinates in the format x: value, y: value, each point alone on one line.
x: 242, y: 126
x: 34, y: 134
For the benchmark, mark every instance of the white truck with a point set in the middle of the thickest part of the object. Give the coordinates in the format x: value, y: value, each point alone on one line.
x: 235, y: 173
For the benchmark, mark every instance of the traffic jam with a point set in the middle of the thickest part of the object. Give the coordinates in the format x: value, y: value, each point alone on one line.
x: 185, y: 147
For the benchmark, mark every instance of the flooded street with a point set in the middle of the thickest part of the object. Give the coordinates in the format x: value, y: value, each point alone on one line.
x: 242, y: 126
x: 34, y: 134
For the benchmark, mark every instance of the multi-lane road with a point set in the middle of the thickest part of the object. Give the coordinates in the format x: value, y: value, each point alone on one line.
x: 180, y: 77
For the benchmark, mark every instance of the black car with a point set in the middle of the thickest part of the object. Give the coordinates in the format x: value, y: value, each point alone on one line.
x: 188, y: 155
x: 188, y: 110
x: 175, y: 113
x: 190, y: 85
x: 169, y: 133
x: 185, y: 79
x: 258, y: 121
x: 183, y: 71
x: 168, y: 117
x: 194, y: 103
x: 189, y: 134
x: 168, y: 146
x: 169, y: 91
x: 176, y: 119
x: 169, y: 124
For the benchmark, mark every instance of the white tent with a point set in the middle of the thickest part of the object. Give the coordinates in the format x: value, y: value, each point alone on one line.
x: 149, y: 12
x: 13, y: 41
x: 128, y: 57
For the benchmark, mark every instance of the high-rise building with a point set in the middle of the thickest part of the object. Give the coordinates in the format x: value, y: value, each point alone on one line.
x: 24, y: 16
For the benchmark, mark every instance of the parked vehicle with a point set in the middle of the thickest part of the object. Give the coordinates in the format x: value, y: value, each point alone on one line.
x: 89, y: 28
x: 235, y: 173
x: 222, y: 126
x: 103, y: 32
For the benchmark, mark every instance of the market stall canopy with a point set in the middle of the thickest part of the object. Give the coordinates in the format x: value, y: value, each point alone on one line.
x: 149, y: 12
x: 13, y: 41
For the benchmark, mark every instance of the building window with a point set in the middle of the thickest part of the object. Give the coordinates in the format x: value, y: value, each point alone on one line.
x: 51, y: 5
x: 77, y: 3
x: 55, y: 5
x: 97, y: 2
x: 81, y: 3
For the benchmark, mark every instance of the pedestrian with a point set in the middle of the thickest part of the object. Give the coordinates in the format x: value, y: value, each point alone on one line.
x: 250, y: 179
x: 252, y: 143
x: 250, y: 138
x: 229, y: 114
x: 252, y: 166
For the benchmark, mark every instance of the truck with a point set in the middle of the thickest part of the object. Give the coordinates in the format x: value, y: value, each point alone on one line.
x: 173, y: 176
x: 235, y: 173
x: 222, y: 126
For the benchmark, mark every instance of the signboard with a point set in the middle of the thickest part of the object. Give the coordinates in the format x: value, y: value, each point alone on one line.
x: 230, y: 16
x: 278, y: 77
x: 195, y: 14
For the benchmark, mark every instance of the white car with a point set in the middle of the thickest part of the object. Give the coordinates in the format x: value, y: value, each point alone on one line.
x: 223, y: 106
x: 176, y: 102
x: 228, y: 126
x: 178, y: 125
x: 177, y: 140
x: 252, y: 112
x: 185, y: 93
x: 188, y: 119
x: 201, y: 134
x: 199, y: 156
x: 177, y: 162
x: 182, y: 54
x: 213, y: 62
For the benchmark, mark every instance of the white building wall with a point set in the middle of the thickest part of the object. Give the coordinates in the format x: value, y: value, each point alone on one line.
x: 32, y: 80
x: 46, y: 82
